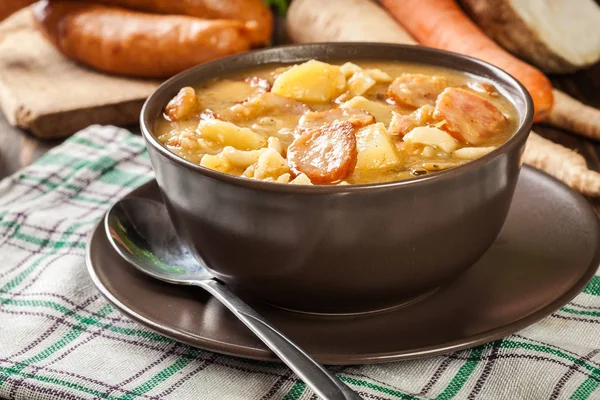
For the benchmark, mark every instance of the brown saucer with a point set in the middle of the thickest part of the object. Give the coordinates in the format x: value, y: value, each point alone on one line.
x: 546, y: 253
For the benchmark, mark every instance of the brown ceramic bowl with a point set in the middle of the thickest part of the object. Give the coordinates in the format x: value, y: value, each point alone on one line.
x: 339, y: 249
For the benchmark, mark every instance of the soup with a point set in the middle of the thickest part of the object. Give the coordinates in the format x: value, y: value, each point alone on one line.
x: 336, y: 124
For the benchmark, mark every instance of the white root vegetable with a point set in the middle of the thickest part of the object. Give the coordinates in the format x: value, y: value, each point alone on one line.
x: 572, y: 115
x: 562, y: 163
x: 557, y: 36
x: 342, y: 20
x: 216, y: 162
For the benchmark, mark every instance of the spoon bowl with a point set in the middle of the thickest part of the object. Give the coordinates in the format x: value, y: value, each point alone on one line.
x: 141, y: 232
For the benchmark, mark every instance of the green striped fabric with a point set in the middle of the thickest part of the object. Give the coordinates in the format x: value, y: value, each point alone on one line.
x: 59, y: 339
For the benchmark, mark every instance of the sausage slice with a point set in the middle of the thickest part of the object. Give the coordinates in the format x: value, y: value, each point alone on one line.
x: 325, y: 154
x: 416, y: 90
x: 468, y: 116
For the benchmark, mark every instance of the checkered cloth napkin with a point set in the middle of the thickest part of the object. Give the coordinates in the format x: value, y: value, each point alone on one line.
x: 59, y: 339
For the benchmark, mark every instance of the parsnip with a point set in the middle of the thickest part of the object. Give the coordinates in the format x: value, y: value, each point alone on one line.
x: 342, y: 20
x: 574, y: 116
x: 562, y: 163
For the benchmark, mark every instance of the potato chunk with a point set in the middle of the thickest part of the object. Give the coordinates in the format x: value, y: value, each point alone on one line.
x: 416, y: 90
x: 381, y: 112
x: 313, y: 81
x: 432, y: 136
x: 301, y: 179
x: 228, y: 134
x: 217, y: 163
x: 360, y: 83
x: 285, y: 178
x: 375, y: 148
x: 270, y: 164
x: 349, y: 69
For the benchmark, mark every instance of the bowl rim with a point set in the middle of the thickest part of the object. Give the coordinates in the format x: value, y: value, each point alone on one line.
x: 505, y: 79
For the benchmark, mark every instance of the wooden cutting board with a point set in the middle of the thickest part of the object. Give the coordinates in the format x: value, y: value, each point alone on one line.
x: 52, y: 97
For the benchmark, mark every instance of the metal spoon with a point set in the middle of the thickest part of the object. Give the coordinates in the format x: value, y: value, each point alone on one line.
x: 141, y: 231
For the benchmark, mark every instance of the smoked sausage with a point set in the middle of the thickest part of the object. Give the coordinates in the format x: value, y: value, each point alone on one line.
x: 136, y: 44
x: 253, y: 13
x: 468, y: 116
x: 325, y: 154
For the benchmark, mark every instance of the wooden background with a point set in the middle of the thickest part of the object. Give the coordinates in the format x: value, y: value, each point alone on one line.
x: 19, y: 149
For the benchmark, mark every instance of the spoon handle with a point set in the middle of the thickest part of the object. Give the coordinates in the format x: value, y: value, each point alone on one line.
x: 321, y: 381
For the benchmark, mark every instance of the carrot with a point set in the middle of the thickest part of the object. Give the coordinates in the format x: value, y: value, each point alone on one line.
x: 574, y: 116
x: 562, y: 163
x: 443, y: 25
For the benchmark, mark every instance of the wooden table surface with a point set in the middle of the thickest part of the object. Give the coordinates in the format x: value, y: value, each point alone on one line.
x: 19, y: 149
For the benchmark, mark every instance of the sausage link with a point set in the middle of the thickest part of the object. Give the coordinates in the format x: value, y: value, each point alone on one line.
x: 253, y: 13
x: 136, y: 44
